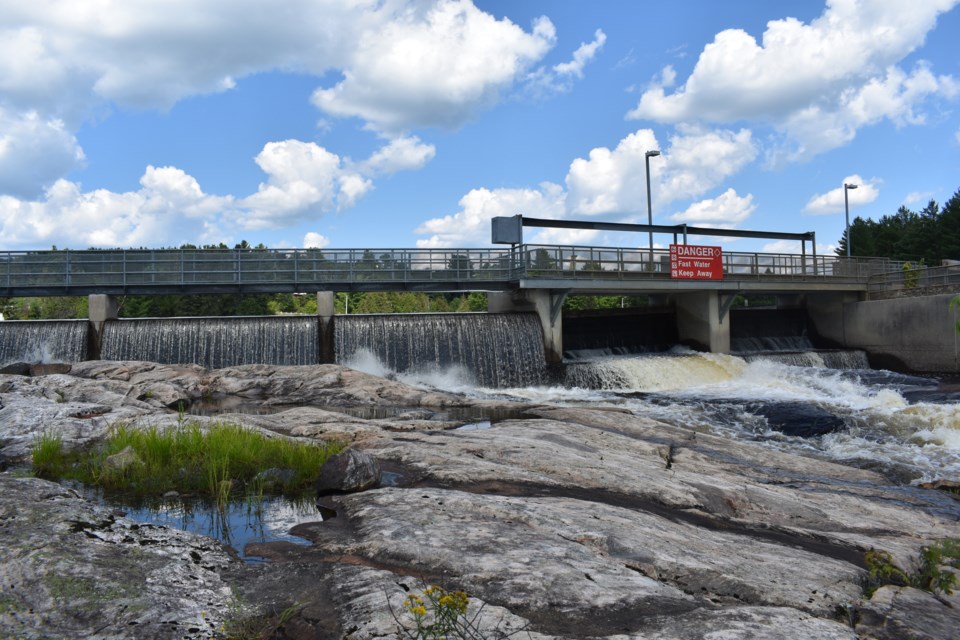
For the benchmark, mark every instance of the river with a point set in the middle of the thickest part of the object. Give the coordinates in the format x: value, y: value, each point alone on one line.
x: 906, y: 427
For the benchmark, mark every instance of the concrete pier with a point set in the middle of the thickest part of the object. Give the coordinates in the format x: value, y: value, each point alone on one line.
x: 547, y: 304
x: 100, y: 308
x: 326, y: 310
x: 701, y: 321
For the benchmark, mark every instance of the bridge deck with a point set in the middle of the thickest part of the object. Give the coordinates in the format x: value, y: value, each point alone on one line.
x: 575, y: 268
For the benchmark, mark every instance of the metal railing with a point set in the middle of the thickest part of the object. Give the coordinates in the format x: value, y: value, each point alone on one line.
x: 24, y: 273
x: 906, y: 280
x: 549, y: 261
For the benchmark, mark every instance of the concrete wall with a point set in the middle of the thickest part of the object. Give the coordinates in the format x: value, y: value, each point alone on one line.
x: 906, y: 334
x: 699, y: 322
x: 545, y: 304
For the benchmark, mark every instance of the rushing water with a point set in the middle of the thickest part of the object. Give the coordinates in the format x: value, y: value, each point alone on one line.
x: 214, y: 342
x: 43, y: 341
x: 491, y: 350
x: 906, y: 427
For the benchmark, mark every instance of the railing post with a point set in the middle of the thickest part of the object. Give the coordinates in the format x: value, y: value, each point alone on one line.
x: 66, y: 268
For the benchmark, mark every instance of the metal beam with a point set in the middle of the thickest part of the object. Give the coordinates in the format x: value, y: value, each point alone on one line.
x: 662, y: 228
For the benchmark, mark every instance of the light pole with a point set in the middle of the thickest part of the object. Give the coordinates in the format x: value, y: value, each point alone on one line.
x: 846, y: 207
x: 650, y: 154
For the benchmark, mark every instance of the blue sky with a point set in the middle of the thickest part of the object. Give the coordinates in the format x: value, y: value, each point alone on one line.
x: 392, y: 123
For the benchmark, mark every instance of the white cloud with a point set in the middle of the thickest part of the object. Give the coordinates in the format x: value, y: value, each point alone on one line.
x: 404, y: 153
x: 471, y: 226
x: 403, y: 63
x: 915, y: 197
x: 833, y: 201
x: 34, y: 153
x: 794, y: 247
x: 560, y: 77
x: 584, y: 54
x: 611, y: 183
x: 433, y: 64
x: 303, y: 180
x: 817, y: 83
x: 313, y: 240
x: 695, y: 162
x: 727, y: 209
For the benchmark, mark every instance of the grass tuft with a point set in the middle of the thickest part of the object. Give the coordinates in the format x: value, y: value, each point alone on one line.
x: 221, y: 461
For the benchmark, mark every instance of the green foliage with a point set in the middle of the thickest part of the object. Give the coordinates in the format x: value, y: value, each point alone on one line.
x: 49, y: 460
x: 220, y: 461
x: 955, y: 305
x: 582, y: 303
x: 931, y: 234
x: 911, y: 275
x: 438, y: 614
x: 240, y: 624
x: 56, y: 308
x: 933, y: 575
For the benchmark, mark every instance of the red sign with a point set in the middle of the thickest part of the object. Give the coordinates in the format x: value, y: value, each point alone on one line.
x: 691, y: 262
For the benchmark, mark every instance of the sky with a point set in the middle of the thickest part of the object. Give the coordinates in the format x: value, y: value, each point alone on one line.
x: 411, y: 123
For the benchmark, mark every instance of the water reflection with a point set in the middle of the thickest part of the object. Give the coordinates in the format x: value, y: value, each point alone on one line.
x: 239, y: 523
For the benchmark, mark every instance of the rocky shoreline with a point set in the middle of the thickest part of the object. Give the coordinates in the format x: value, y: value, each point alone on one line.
x: 559, y: 522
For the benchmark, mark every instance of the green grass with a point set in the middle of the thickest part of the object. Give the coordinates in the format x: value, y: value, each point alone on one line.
x: 934, y: 574
x: 222, y: 461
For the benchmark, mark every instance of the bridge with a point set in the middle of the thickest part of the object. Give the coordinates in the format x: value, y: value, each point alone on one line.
x: 575, y: 269
x: 521, y: 277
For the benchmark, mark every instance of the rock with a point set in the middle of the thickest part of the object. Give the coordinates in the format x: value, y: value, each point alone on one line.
x: 894, y: 613
x: 122, y: 460
x: 574, y: 522
x: 75, y: 570
x: 46, y: 369
x: 797, y: 419
x: 16, y: 369
x: 273, y: 479
x: 348, y: 472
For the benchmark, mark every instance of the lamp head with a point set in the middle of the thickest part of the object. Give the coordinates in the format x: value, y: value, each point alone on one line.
x: 652, y: 153
x: 850, y: 186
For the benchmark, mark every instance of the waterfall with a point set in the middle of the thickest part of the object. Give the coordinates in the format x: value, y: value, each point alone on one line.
x: 43, y: 341
x: 831, y: 359
x: 214, y: 342
x: 498, y: 350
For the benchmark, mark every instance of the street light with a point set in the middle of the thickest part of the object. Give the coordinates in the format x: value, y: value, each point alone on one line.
x: 650, y: 154
x: 846, y: 207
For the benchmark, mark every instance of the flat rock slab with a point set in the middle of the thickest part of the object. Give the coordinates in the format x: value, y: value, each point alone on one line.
x: 75, y: 570
x: 573, y: 522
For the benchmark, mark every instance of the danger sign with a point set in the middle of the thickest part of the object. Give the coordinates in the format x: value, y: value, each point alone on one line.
x: 692, y: 262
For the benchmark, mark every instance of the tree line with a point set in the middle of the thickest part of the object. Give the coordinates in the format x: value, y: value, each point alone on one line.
x: 928, y: 236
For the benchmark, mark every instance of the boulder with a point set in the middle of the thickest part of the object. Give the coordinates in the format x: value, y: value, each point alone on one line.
x: 348, y: 472
x: 72, y: 569
x: 894, y: 613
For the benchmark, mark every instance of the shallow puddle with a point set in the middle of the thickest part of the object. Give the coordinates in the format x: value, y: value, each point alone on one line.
x: 241, y: 522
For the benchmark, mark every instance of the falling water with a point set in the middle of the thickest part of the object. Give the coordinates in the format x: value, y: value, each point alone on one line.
x: 497, y: 350
x: 214, y: 342
x: 43, y: 341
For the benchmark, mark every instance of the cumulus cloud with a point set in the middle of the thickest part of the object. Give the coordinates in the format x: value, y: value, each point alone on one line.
x: 726, y: 210
x: 34, y: 153
x: 403, y: 63
x: 433, y: 64
x: 314, y: 240
x: 696, y: 160
x: 611, y: 182
x: 833, y: 201
x: 817, y: 83
x: 471, y: 225
x: 404, y: 153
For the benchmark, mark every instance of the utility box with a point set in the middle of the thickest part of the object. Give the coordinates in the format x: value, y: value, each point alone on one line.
x: 507, y: 230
